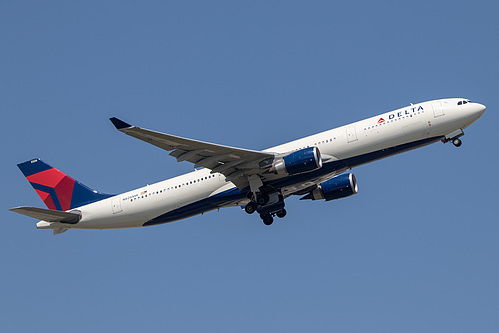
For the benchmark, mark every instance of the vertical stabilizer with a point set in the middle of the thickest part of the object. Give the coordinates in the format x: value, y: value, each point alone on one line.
x: 57, y: 190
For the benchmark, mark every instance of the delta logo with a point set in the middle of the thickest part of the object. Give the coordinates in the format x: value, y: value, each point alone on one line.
x: 400, y: 114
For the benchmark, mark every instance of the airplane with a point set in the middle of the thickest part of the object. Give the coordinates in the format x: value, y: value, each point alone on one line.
x: 313, y: 167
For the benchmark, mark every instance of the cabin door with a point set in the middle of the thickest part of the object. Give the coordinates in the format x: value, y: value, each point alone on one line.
x: 351, y: 134
x: 438, y: 110
x: 116, y: 202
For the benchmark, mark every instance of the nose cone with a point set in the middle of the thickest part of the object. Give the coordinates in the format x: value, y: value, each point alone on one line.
x: 480, y: 109
x: 475, y: 111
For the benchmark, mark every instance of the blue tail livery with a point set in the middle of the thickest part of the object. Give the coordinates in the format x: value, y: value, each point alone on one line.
x: 57, y: 190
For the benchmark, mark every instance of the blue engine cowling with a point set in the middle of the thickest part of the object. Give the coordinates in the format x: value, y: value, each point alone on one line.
x: 335, y: 188
x: 301, y: 161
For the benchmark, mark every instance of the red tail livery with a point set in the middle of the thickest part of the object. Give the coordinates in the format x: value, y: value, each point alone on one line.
x: 57, y: 190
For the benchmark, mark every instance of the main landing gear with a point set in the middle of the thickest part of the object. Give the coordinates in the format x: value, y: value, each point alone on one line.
x: 250, y: 207
x: 267, y: 205
x: 268, y: 219
x: 265, y: 200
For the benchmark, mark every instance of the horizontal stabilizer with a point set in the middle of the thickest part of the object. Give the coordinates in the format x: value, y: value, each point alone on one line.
x: 48, y: 215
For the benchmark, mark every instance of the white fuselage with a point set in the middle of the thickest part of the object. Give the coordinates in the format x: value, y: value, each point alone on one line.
x: 433, y: 119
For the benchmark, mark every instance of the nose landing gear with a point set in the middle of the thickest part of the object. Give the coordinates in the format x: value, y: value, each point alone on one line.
x: 457, y: 142
x: 454, y: 137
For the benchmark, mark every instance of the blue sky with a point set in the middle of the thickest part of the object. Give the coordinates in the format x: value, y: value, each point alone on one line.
x: 416, y: 250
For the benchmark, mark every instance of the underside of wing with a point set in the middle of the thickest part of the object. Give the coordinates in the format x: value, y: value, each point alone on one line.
x: 234, y: 163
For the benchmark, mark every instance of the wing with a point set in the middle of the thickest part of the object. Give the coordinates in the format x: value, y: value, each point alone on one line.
x: 234, y: 163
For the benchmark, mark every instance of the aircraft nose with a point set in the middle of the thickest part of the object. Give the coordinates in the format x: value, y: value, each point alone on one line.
x: 480, y: 109
x: 475, y: 111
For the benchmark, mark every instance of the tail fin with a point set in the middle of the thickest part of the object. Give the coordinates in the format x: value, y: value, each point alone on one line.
x: 57, y: 190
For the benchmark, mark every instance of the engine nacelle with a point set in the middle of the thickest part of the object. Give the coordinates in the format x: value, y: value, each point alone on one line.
x: 301, y: 161
x: 335, y: 188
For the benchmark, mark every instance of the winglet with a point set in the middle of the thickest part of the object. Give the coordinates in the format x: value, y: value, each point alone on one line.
x: 119, y: 124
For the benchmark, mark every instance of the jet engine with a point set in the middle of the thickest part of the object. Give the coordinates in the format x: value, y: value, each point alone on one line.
x: 335, y: 188
x: 301, y: 161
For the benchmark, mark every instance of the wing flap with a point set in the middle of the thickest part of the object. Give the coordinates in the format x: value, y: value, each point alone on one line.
x: 48, y: 215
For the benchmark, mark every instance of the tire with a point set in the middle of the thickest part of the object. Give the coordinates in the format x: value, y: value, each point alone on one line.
x: 267, y: 219
x: 250, y: 207
x: 262, y: 199
x: 280, y: 214
x: 457, y: 142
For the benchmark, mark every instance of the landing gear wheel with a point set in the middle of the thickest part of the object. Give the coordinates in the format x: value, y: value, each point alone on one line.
x: 280, y: 214
x: 457, y: 142
x: 262, y: 199
x: 250, y: 207
x: 267, y: 219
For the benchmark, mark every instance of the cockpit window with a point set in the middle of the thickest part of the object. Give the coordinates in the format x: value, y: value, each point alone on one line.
x: 463, y: 102
x: 460, y: 103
